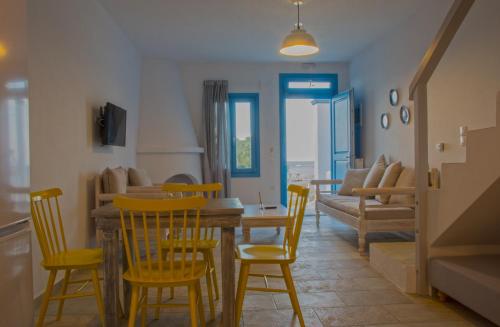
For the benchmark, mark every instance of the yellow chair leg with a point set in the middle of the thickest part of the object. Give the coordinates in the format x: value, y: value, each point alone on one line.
x: 159, y: 294
x: 201, y: 309
x: 144, y: 306
x: 64, y: 288
x: 133, y: 306
x: 291, y: 291
x: 192, y: 305
x: 212, y: 265
x: 240, y: 293
x: 98, y: 295
x: 46, y: 297
x: 172, y: 292
x: 209, y: 289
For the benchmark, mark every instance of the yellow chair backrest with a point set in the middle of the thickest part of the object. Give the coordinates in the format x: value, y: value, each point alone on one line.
x: 148, y: 214
x: 296, y: 208
x: 49, y: 229
x: 208, y: 191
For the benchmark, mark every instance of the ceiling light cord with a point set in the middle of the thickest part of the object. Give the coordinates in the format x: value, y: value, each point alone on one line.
x: 298, y: 16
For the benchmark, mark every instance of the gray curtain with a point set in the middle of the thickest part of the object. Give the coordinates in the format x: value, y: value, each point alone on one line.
x: 216, y: 165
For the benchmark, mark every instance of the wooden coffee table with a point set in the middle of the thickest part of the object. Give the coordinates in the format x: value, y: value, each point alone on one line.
x: 255, y: 217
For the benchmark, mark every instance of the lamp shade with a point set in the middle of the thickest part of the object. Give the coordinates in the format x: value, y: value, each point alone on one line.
x: 299, y: 43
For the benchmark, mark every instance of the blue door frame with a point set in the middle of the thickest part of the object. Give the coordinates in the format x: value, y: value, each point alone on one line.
x: 285, y: 92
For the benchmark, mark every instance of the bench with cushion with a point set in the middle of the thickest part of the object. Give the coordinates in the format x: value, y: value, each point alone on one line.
x: 376, y: 200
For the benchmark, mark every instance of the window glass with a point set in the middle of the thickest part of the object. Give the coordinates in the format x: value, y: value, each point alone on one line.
x: 309, y: 85
x: 243, y: 135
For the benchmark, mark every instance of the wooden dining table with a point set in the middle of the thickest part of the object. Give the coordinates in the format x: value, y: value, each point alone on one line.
x: 224, y: 213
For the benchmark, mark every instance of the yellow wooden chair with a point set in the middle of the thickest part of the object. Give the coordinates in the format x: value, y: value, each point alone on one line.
x: 163, y: 265
x: 282, y: 255
x: 207, y: 242
x: 57, y: 257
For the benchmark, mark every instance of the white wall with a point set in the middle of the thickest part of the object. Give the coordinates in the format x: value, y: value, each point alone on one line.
x: 462, y: 90
x: 464, y: 86
x: 264, y: 79
x: 79, y: 59
x: 391, y: 62
x: 165, y: 124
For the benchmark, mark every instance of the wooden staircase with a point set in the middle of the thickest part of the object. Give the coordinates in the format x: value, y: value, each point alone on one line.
x: 458, y: 226
x: 418, y: 93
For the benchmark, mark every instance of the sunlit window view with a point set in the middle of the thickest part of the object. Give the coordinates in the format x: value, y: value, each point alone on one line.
x: 243, y: 135
x: 244, y: 130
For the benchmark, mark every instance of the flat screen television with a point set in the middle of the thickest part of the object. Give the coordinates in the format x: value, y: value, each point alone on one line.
x: 113, y: 125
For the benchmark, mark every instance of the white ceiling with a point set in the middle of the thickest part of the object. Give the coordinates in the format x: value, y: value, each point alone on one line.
x: 252, y: 30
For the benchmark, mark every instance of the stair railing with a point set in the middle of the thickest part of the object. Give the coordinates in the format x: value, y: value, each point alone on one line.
x: 418, y: 93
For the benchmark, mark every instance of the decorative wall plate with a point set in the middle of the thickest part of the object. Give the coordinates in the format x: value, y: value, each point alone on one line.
x: 404, y: 114
x: 385, y: 120
x: 393, y: 97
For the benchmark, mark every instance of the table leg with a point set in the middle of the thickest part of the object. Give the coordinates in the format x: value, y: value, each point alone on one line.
x: 228, y: 278
x: 127, y: 289
x: 111, y: 277
x: 246, y: 234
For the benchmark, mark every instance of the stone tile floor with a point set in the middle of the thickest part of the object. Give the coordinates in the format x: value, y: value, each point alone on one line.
x: 335, y: 285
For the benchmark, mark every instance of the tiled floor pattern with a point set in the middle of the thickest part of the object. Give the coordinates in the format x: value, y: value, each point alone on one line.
x: 336, y: 287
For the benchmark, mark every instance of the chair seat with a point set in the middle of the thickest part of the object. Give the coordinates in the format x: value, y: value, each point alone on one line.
x: 202, y: 244
x: 263, y: 253
x: 167, y: 276
x: 74, y: 259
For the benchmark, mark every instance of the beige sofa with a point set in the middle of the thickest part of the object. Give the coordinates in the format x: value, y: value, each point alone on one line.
x: 101, y: 197
x: 364, y: 213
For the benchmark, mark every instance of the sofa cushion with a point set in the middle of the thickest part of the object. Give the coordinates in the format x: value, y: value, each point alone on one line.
x: 389, y: 213
x: 350, y: 205
x: 389, y: 179
x: 376, y: 173
x: 354, y: 178
x: 139, y: 177
x: 405, y: 179
x: 114, y: 180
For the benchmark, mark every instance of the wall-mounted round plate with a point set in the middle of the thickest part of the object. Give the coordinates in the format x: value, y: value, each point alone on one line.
x: 385, y: 120
x: 393, y: 97
x: 404, y: 114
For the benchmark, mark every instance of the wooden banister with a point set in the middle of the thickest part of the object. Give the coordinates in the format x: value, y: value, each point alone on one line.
x: 447, y: 31
x: 418, y: 92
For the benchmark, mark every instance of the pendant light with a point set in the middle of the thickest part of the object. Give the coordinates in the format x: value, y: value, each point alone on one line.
x: 299, y: 43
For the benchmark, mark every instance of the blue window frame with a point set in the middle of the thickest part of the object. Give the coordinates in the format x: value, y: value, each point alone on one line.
x: 244, y: 134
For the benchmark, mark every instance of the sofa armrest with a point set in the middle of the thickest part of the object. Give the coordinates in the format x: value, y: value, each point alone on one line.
x: 105, y: 197
x: 363, y: 193
x: 319, y: 182
x: 383, y: 191
x: 108, y: 197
